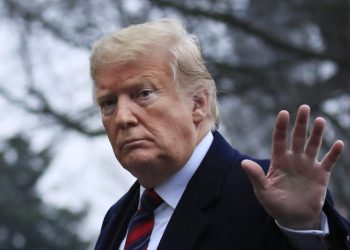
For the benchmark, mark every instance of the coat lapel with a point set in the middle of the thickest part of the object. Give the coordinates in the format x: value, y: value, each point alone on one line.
x: 118, y: 226
x: 184, y: 229
x: 190, y: 221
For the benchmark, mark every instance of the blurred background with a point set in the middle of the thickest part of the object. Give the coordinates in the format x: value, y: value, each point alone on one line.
x: 58, y: 174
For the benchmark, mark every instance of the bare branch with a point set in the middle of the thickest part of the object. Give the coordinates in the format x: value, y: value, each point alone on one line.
x: 326, y: 90
x: 264, y: 35
x: 31, y: 15
x: 46, y: 110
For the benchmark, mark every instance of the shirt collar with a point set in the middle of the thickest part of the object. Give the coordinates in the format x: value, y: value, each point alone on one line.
x: 172, y: 190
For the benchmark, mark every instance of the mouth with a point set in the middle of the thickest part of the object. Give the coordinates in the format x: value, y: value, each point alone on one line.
x: 130, y: 144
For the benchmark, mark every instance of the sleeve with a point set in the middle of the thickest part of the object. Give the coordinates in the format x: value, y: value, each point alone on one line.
x: 308, y: 239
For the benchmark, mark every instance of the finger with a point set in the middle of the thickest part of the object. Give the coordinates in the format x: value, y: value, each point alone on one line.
x: 255, y: 174
x: 300, y: 129
x: 315, y: 140
x: 279, y: 138
x: 332, y: 156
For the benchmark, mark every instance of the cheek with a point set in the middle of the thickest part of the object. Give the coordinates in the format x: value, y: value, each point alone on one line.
x: 106, y: 126
x: 109, y: 130
x: 104, y: 123
x: 176, y: 134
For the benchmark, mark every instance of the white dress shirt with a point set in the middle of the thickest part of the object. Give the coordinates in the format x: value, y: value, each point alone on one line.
x: 172, y: 190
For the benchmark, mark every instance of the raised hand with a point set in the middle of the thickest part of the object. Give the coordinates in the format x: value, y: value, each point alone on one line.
x: 294, y: 189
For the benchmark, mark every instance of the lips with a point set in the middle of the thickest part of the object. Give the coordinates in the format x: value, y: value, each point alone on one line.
x: 132, y: 143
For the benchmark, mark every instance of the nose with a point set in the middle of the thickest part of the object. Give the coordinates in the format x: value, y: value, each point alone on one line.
x: 125, y: 116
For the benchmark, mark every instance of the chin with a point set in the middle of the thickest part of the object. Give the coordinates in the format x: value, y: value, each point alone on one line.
x: 136, y: 160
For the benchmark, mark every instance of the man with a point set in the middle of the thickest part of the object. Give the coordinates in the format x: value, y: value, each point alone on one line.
x: 159, y: 108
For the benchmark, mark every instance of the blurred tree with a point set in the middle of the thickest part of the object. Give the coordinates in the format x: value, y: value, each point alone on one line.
x: 264, y: 55
x: 25, y: 221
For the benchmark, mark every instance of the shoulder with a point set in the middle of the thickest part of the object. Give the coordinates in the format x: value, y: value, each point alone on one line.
x: 221, y: 146
x: 221, y: 170
x: 234, y: 181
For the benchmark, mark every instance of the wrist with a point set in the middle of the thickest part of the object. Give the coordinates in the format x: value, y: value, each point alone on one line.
x: 309, y: 224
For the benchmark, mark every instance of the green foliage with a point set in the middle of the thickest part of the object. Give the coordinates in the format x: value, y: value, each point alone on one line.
x: 25, y: 221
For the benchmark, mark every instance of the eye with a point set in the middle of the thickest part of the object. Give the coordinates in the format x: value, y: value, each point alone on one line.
x: 107, y: 106
x: 144, y: 93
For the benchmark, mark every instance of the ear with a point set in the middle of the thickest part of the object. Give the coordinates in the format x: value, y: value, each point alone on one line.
x: 200, y: 106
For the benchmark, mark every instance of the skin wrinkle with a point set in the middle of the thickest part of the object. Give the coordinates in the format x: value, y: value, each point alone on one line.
x: 142, y: 131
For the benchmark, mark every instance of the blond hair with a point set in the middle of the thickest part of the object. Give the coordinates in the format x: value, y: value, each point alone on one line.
x: 187, y: 64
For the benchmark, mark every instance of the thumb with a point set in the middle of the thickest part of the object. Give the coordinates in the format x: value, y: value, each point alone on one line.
x: 255, y: 173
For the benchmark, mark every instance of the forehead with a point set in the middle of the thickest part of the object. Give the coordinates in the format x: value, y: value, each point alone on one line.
x: 125, y: 75
x: 118, y: 73
x: 157, y: 55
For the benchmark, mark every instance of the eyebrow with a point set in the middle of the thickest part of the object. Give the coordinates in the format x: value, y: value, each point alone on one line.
x: 102, y: 94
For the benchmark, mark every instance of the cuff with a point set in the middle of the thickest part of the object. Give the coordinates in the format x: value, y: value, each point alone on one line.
x: 308, y: 239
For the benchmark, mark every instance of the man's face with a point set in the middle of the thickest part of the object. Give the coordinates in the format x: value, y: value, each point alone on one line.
x: 149, y: 121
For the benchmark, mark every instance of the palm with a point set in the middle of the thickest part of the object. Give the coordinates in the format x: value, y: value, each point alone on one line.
x: 294, y: 189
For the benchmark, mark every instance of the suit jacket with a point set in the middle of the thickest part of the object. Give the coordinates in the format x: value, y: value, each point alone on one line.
x: 218, y: 210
